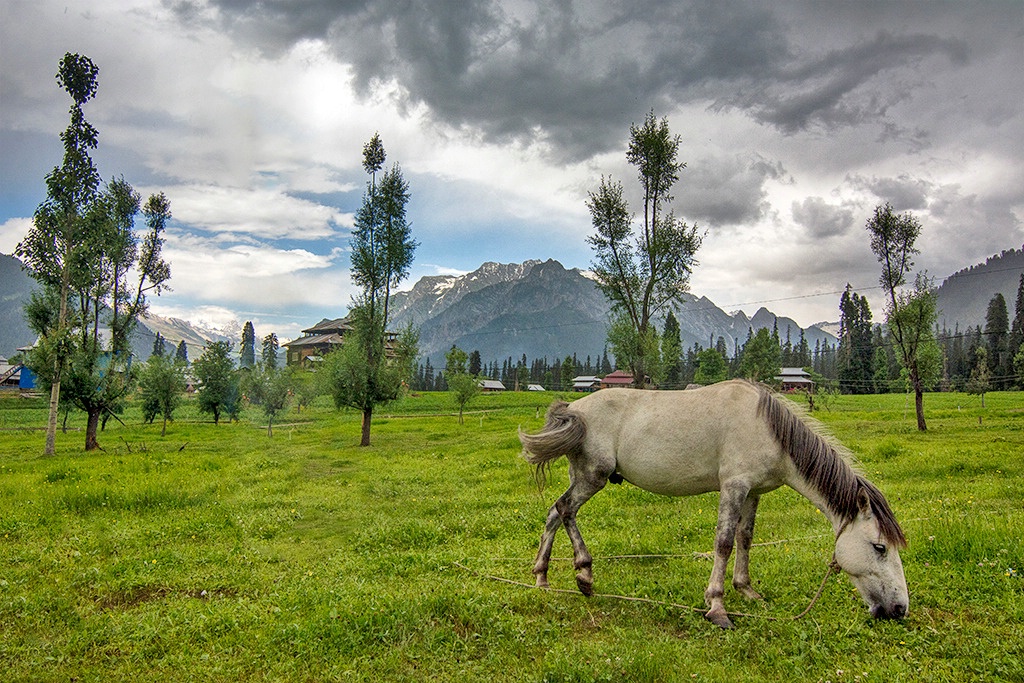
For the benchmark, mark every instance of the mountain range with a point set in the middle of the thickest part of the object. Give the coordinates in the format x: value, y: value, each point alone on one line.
x: 541, y: 309
x: 16, y: 287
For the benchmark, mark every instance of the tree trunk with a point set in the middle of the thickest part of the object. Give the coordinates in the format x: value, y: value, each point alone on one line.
x: 51, y: 424
x: 270, y: 425
x: 58, y: 361
x: 919, y: 401
x: 91, y: 426
x: 367, y: 417
x: 163, y: 430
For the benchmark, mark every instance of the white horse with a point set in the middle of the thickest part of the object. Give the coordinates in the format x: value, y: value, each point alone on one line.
x: 734, y: 437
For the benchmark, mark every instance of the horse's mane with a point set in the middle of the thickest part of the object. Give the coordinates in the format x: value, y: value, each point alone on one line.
x: 824, y: 464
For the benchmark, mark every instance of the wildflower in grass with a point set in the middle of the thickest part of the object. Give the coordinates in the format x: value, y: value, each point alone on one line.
x: 1010, y: 571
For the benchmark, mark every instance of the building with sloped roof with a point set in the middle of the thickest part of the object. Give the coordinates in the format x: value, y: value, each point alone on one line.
x: 790, y: 379
x: 617, y: 379
x: 323, y: 338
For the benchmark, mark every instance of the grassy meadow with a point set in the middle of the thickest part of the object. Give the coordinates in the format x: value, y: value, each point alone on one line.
x: 219, y: 554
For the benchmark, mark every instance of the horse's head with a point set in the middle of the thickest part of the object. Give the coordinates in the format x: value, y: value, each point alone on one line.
x: 869, y: 553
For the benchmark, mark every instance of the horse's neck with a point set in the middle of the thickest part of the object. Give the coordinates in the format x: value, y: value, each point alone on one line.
x: 801, y: 486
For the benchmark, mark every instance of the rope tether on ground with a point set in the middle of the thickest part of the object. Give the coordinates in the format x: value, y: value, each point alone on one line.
x: 832, y: 568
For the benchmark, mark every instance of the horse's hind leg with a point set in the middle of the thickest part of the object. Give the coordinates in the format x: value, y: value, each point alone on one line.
x: 547, y: 540
x: 581, y: 488
x: 744, y: 538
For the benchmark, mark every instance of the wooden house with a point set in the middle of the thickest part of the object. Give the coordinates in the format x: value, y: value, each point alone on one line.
x: 323, y: 338
x: 791, y: 379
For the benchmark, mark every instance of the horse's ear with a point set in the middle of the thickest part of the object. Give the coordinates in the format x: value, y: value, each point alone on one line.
x: 863, y: 502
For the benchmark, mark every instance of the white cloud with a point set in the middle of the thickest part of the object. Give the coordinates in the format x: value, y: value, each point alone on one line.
x: 265, y: 213
x: 13, y: 231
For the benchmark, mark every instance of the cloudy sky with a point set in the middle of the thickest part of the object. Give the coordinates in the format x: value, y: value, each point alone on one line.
x: 796, y: 120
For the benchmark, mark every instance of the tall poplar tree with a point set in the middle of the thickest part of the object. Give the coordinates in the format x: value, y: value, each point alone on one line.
x: 910, y: 313
x: 365, y: 373
x: 54, y: 249
x: 95, y: 272
x: 642, y: 270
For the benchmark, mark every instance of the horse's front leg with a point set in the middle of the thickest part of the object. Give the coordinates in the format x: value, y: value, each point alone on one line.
x: 729, y: 505
x: 744, y: 538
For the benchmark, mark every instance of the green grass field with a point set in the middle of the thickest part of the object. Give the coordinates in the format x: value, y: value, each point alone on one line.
x: 219, y: 554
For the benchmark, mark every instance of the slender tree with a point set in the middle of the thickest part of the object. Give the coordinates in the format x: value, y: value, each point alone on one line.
x: 641, y: 272
x: 161, y: 384
x: 462, y: 384
x: 979, y: 383
x: 382, y: 253
x: 910, y: 314
x: 269, y: 388
x: 55, y: 248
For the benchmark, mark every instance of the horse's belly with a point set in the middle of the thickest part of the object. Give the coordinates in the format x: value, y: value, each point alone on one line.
x: 670, y: 476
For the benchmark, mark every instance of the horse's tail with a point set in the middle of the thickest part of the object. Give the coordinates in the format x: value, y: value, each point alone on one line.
x: 563, y: 434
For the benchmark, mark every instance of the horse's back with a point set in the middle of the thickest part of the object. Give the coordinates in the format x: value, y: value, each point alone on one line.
x: 682, y: 442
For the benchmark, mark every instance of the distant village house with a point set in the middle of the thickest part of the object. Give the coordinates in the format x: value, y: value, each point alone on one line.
x: 793, y: 379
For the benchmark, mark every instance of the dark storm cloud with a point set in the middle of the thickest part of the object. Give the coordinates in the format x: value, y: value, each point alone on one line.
x: 845, y: 87
x: 822, y: 220
x: 576, y: 75
x: 903, y: 192
x: 727, y: 191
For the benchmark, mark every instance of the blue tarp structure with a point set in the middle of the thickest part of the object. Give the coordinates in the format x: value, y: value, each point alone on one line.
x: 27, y: 379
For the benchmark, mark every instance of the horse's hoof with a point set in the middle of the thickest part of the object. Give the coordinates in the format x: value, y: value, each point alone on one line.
x: 585, y: 582
x: 749, y: 593
x: 719, y: 619
x: 542, y: 581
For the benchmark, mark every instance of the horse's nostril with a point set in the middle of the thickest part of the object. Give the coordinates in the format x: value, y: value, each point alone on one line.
x: 894, y: 612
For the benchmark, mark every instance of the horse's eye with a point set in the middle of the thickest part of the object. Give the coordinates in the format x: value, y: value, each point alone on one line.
x: 879, y: 548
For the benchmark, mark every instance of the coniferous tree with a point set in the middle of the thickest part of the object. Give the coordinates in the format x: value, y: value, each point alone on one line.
x: 997, y: 328
x: 181, y: 353
x: 159, y: 345
x: 762, y: 357
x: 855, y: 354
x: 247, y: 357
x: 711, y: 367
x: 671, y: 350
x: 268, y: 357
x: 474, y: 363
x: 1017, y: 333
